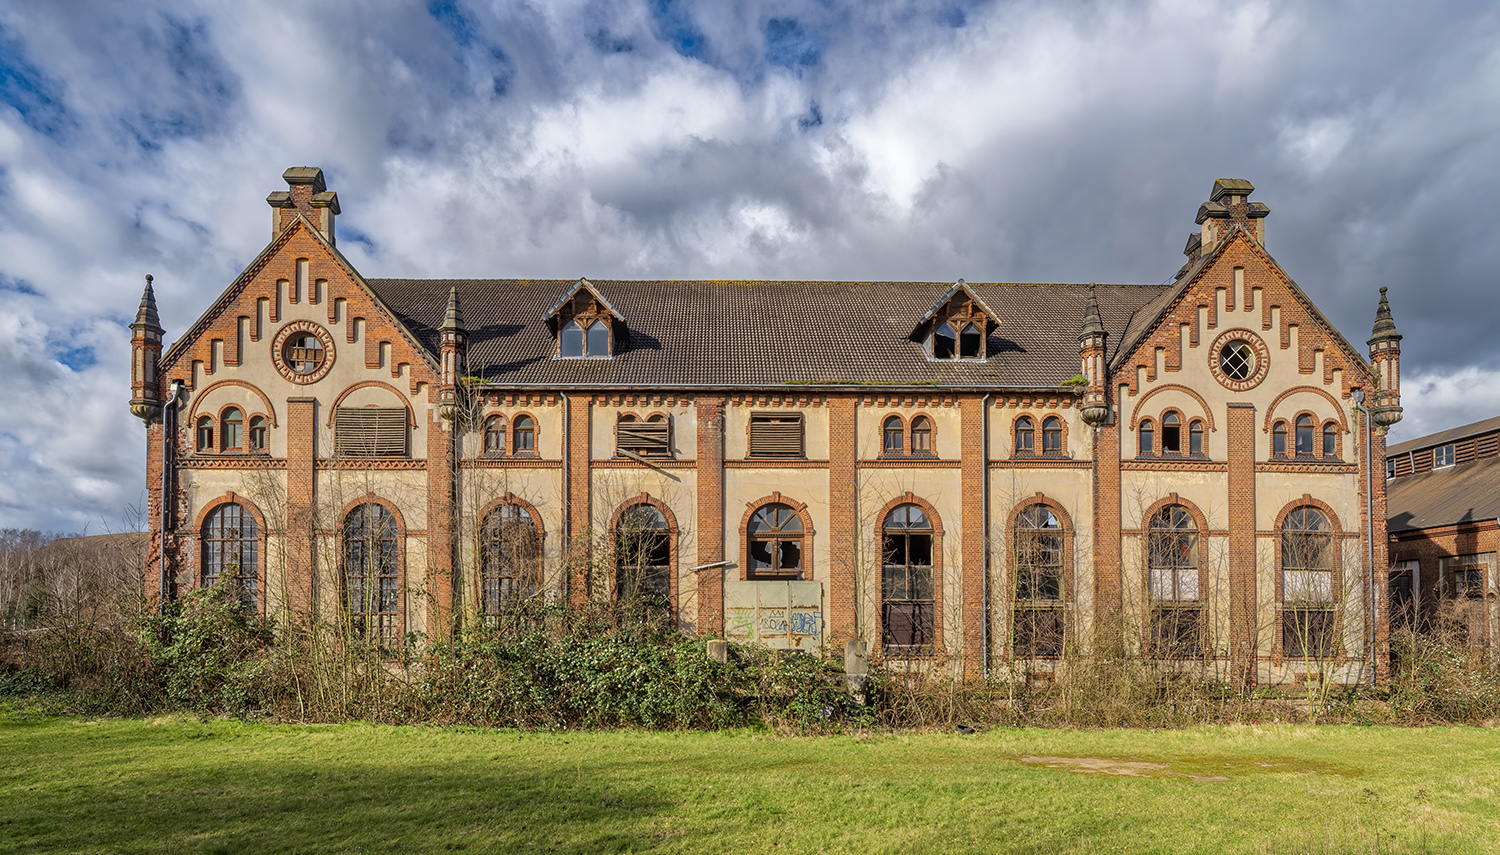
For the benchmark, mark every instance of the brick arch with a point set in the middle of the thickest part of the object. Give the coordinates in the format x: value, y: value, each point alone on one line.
x: 908, y: 498
x: 931, y: 427
x: 261, y: 539
x: 1271, y: 410
x: 1201, y: 521
x: 536, y: 433
x: 808, y: 532
x: 512, y: 499
x: 905, y: 434
x: 1307, y: 500
x: 672, y: 539
x: 644, y: 499
x: 1041, y: 429
x: 371, y: 498
x: 1140, y: 406
x: 506, y: 498
x: 1036, y: 433
x: 1067, y: 569
x: 219, y: 423
x: 198, y: 399
x: 1338, y: 603
x: 365, y: 384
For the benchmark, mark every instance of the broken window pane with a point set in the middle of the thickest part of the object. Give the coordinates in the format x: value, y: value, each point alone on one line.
x: 971, y: 344
x: 944, y: 342
x: 1171, y: 433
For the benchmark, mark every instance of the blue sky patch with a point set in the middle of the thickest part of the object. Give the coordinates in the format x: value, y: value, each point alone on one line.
x: 29, y: 91
x: 76, y: 358
x: 675, y: 23
x: 789, y: 46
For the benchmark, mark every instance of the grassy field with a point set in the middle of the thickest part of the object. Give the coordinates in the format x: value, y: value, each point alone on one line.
x: 184, y: 785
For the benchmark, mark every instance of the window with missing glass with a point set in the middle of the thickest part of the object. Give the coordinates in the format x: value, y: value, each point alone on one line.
x: 1172, y: 556
x: 370, y: 574
x: 643, y: 556
x: 1037, y: 556
x: 775, y: 539
x: 907, y: 604
x: 510, y: 560
x: 231, y: 553
x: 1308, y: 556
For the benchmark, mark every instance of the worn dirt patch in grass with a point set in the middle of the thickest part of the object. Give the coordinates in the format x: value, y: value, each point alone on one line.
x: 1205, y: 769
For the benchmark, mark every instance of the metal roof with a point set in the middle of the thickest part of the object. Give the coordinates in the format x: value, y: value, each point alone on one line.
x: 1443, y: 437
x: 1467, y: 492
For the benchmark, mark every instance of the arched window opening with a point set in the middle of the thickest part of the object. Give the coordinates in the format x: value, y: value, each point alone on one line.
x: 944, y: 342
x: 1308, y: 554
x: 525, y: 438
x: 775, y: 536
x: 643, y: 556
x: 1195, y: 437
x: 971, y: 342
x: 1304, y: 434
x: 510, y: 560
x: 231, y: 553
x: 1051, y: 434
x: 232, y: 431
x: 907, y: 610
x: 1038, y: 560
x: 1278, y: 439
x: 895, y: 439
x: 205, y: 433
x: 494, y: 435
x: 1171, y: 434
x: 1172, y: 555
x: 921, y: 435
x: 571, y: 340
x: 257, y: 433
x: 598, y: 344
x: 1146, y: 438
x: 1330, y: 439
x: 370, y: 566
x: 1025, y: 434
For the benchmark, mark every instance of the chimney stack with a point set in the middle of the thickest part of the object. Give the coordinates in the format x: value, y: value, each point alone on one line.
x: 1227, y: 206
x: 307, y: 195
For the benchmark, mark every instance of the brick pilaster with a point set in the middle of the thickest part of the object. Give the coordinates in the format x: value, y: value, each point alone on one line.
x: 1108, y: 586
x: 843, y: 519
x: 578, y: 550
x: 301, y: 451
x: 710, y: 494
x: 151, y: 573
x: 1239, y: 441
x: 975, y: 529
x: 440, y: 529
x: 1376, y: 529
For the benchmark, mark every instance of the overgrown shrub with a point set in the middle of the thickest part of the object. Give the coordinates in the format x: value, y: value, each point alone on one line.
x: 206, y: 649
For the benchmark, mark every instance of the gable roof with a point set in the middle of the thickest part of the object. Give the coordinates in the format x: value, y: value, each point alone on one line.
x: 754, y: 334
x: 583, y: 284
x: 1467, y: 492
x: 958, y: 286
x: 1444, y: 437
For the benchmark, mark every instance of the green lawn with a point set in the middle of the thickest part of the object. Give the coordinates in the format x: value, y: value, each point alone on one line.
x: 182, y: 785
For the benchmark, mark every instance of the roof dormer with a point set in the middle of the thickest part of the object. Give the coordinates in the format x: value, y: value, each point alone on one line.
x: 957, y: 326
x: 584, y: 325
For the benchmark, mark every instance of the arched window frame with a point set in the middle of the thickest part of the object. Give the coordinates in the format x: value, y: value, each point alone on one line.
x: 1062, y: 605
x: 808, y: 535
x: 203, y: 435
x: 1278, y: 439
x: 1173, y: 432
x: 519, y: 432
x: 1054, y: 436
x: 672, y: 535
x: 893, y: 436
x: 1197, y: 439
x: 1330, y: 443
x: 1304, y: 426
x: 232, y: 429
x: 1145, y: 433
x: 200, y: 526
x: 1288, y: 610
x: 1023, y: 435
x: 483, y: 544
x: 934, y: 648
x: 923, y: 433
x: 393, y: 635
x: 496, y: 437
x: 258, y: 435
x: 1159, y: 607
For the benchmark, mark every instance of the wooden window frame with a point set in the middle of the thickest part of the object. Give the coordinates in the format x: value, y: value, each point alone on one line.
x: 808, y: 538
x: 248, y: 512
x: 935, y: 530
x: 648, y: 436
x: 1060, y: 606
x: 392, y: 636
x: 488, y: 546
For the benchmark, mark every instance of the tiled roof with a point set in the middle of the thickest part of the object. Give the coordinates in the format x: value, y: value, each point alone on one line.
x: 1444, y: 437
x: 1463, y: 493
x: 753, y: 334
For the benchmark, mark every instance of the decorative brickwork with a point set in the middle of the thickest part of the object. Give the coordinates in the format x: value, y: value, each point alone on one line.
x: 1240, y: 445
x: 710, y: 495
x: 975, y: 521
x: 843, y: 519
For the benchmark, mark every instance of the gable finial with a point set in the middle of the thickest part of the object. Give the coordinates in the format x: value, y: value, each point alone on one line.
x: 1385, y: 324
x: 146, y: 316
x: 454, y: 319
x: 1093, y: 325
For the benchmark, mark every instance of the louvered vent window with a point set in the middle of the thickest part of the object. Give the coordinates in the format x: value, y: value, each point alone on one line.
x: 650, y: 438
x: 776, y: 435
x: 370, y: 432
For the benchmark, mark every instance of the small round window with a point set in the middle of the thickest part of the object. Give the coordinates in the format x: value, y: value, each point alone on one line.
x: 1237, y: 360
x: 303, y: 353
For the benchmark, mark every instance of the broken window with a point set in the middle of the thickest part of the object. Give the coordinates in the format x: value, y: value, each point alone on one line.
x: 303, y: 353
x: 649, y: 438
x: 1304, y: 434
x: 257, y: 433
x: 775, y: 534
x: 1025, y: 434
x: 921, y: 435
x: 1307, y: 584
x: 369, y: 432
x: 509, y: 560
x: 231, y: 433
x: 894, y: 434
x: 1308, y: 633
x: 231, y: 547
x: 1195, y: 437
x: 494, y: 435
x: 1237, y: 360
x: 1038, y: 561
x: 906, y: 578
x: 1051, y: 434
x: 944, y: 342
x: 1172, y: 555
x: 776, y: 435
x: 1171, y: 434
x: 524, y: 441
x: 970, y: 342
x: 1146, y: 438
x: 643, y: 556
x: 205, y: 433
x: 370, y: 564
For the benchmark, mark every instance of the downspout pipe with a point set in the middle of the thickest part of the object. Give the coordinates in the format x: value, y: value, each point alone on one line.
x: 1371, y: 623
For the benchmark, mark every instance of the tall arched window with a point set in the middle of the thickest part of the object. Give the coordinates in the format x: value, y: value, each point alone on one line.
x: 1146, y: 437
x: 1305, y: 435
x: 525, y: 438
x: 643, y: 556
x: 1025, y: 435
x: 232, y: 427
x: 1037, y: 556
x: 510, y: 559
x: 205, y: 433
x: 370, y: 573
x: 1278, y: 439
x: 571, y: 340
x: 1308, y: 556
x: 1195, y: 437
x: 257, y: 433
x: 971, y: 342
x: 944, y: 342
x: 894, y: 436
x: 231, y: 552
x: 921, y: 435
x: 1171, y: 433
x: 775, y: 535
x: 599, y: 338
x: 1051, y: 434
x: 494, y: 435
x: 1176, y: 611
x: 1330, y: 439
x: 907, y: 611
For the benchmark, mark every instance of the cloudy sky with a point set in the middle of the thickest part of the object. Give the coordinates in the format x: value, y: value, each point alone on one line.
x: 928, y: 139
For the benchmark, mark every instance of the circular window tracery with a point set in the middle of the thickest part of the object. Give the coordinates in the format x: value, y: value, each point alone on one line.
x: 1239, y: 359
x: 303, y: 352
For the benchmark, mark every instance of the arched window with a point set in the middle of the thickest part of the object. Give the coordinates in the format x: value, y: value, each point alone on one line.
x: 525, y: 438
x: 510, y: 559
x: 1051, y: 434
x: 1308, y: 554
x: 971, y: 342
x: 257, y: 433
x: 1038, y: 561
x: 906, y: 577
x: 232, y: 429
x: 231, y: 549
x: 1025, y: 434
x: 1195, y: 437
x: 1172, y: 555
x: 571, y: 340
x: 1146, y: 436
x: 494, y: 435
x: 775, y: 535
x: 205, y: 433
x: 944, y: 342
x: 599, y: 338
x: 370, y: 566
x: 1330, y: 439
x: 921, y: 435
x: 1278, y: 439
x: 1171, y: 434
x: 895, y: 439
x: 1305, y: 434
x: 643, y: 556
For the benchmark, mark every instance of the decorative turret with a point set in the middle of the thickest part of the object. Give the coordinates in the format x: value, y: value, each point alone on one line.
x: 145, y: 353
x: 1229, y: 205
x: 1095, y: 407
x: 454, y: 347
x: 1385, y: 360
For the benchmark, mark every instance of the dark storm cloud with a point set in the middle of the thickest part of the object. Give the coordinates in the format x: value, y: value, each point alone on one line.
x: 662, y: 138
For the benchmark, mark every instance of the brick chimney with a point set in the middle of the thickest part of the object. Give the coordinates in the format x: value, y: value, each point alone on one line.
x: 1227, y: 206
x: 308, y: 195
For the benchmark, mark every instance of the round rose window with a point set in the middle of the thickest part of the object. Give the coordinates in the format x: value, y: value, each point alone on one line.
x: 1239, y: 359
x: 303, y: 352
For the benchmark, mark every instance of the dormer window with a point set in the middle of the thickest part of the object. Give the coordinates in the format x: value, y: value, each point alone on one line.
x: 970, y: 343
x: 585, y: 324
x: 956, y: 327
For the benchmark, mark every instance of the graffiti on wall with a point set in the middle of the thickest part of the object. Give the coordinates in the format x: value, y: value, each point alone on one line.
x: 779, y: 615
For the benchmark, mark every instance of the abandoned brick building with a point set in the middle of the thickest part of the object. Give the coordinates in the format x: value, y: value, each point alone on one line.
x: 963, y: 475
